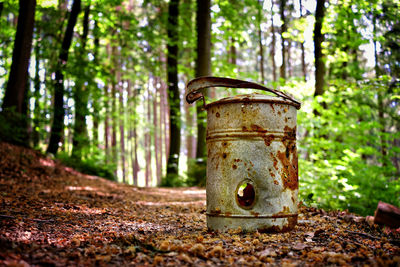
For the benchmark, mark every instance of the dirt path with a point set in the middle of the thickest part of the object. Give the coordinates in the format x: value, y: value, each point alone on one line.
x: 52, y: 215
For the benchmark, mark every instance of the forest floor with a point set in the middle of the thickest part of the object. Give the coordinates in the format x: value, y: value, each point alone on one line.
x: 54, y: 216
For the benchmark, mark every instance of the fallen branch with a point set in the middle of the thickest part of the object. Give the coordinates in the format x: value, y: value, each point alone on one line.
x: 387, y: 214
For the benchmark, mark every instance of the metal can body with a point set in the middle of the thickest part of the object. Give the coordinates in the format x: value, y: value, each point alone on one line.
x: 251, y: 143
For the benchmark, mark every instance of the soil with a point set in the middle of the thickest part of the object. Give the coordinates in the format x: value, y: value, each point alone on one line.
x: 52, y: 215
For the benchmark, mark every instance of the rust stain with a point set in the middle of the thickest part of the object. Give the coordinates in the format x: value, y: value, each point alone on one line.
x: 290, y: 132
x: 289, y: 172
x: 279, y: 112
x: 234, y: 167
x: 275, y: 162
x: 292, y: 221
x: 217, y: 211
x: 224, y: 155
x: 293, y: 200
x: 217, y: 115
x: 272, y: 106
x: 275, y: 181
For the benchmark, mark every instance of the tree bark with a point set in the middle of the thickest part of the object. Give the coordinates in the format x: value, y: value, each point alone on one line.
x: 273, y: 44
x: 283, y: 30
x: 36, y: 94
x: 203, y: 68
x: 80, y: 138
x: 173, y: 90
x: 58, y: 117
x: 122, y: 127
x: 261, y: 50
x: 318, y: 39
x: 95, y: 92
x: 148, y: 173
x: 157, y: 145
x: 14, y: 104
x: 303, y: 51
x: 114, y: 148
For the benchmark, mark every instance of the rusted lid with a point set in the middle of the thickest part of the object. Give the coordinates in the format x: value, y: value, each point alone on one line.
x: 253, y: 98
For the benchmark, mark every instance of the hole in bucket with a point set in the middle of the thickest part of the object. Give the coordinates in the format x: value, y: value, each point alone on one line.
x: 245, y: 195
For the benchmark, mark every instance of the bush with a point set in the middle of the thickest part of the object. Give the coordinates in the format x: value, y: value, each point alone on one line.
x: 93, y: 165
x: 348, y: 151
x: 196, y: 174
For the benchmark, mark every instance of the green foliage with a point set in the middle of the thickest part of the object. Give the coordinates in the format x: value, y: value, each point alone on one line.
x: 196, y: 174
x: 172, y: 180
x: 348, y: 163
x: 93, y: 165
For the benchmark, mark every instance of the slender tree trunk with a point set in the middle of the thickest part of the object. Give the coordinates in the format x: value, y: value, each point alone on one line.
x: 273, y: 44
x: 157, y: 146
x: 173, y: 90
x: 58, y: 117
x: 289, y: 63
x: 122, y: 127
x: 203, y: 68
x: 283, y: 30
x: 232, y: 51
x: 1, y: 8
x: 80, y: 138
x: 318, y: 39
x: 147, y: 136
x: 261, y: 48
x: 303, y: 51
x: 36, y: 94
x: 95, y: 91
x: 114, y: 109
x: 134, y: 157
x: 107, y: 121
x: 14, y: 98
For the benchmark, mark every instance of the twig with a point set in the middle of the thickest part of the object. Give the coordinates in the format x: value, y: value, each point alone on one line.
x: 363, y: 234
x: 35, y: 220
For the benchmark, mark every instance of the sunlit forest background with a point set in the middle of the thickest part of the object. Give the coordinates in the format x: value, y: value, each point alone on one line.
x: 103, y: 89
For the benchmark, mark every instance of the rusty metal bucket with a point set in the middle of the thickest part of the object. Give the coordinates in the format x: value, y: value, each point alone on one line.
x: 252, y: 172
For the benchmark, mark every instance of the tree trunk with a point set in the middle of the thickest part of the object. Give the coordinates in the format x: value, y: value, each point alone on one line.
x: 122, y: 127
x: 283, y: 30
x: 114, y: 110
x: 107, y: 121
x: 58, y: 117
x: 273, y: 44
x: 134, y: 157
x: 157, y: 145
x: 203, y: 68
x: 14, y: 98
x: 36, y: 94
x: 173, y: 90
x: 318, y: 39
x: 232, y: 51
x: 80, y: 138
x: 96, y: 95
x: 148, y: 173
x: 303, y: 51
x: 261, y: 50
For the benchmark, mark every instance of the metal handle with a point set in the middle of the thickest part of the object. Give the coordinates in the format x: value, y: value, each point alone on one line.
x: 194, y: 86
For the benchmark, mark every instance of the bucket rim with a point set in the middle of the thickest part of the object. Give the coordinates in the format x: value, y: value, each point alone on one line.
x: 251, y: 98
